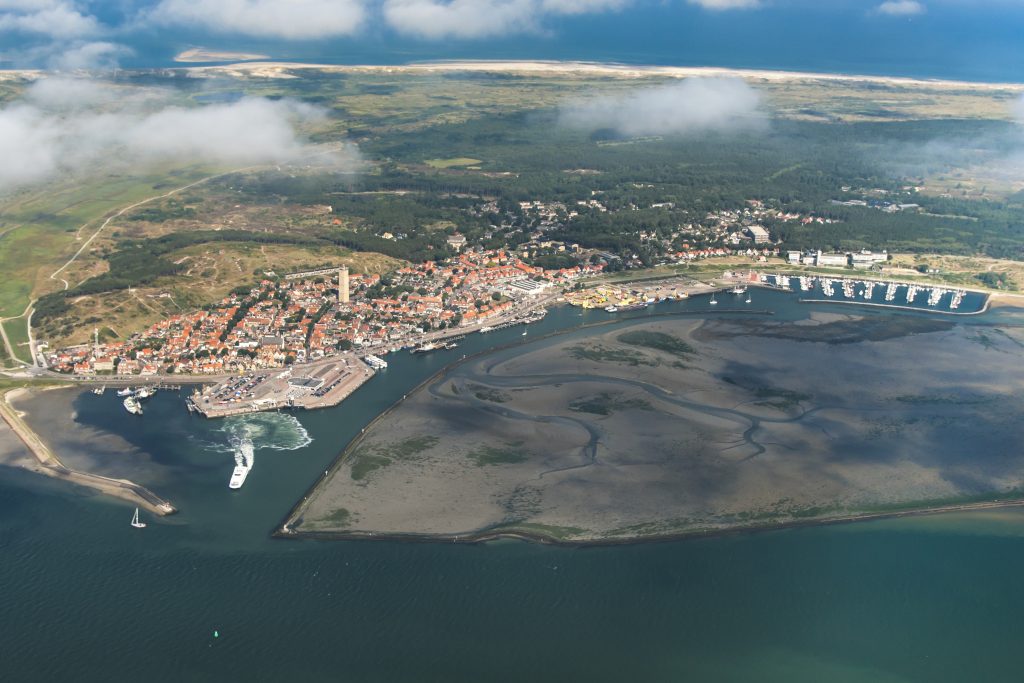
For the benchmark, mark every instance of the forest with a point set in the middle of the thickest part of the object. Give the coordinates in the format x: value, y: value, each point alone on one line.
x: 802, y: 167
x: 798, y: 166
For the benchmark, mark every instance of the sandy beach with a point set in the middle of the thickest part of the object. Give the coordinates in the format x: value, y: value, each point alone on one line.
x: 270, y: 69
x: 199, y: 54
x: 52, y: 450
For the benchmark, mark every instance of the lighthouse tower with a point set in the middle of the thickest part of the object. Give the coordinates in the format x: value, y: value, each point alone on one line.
x: 343, y: 285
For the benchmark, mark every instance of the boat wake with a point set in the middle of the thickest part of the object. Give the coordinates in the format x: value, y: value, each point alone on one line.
x: 274, y: 431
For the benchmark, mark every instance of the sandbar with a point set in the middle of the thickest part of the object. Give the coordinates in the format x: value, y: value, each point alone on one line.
x: 678, y: 426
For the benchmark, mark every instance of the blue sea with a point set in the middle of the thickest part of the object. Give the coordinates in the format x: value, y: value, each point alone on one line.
x: 207, y: 595
x: 950, y: 41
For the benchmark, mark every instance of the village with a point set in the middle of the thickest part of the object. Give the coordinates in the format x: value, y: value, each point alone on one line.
x: 314, y: 315
x: 309, y: 316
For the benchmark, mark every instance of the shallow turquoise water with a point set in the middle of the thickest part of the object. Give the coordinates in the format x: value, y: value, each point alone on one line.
x: 85, y: 597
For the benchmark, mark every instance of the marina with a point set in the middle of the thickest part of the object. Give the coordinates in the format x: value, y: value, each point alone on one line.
x: 929, y: 298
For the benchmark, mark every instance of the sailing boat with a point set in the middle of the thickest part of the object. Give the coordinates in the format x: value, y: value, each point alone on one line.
x: 748, y: 298
x: 713, y: 302
x: 135, y: 520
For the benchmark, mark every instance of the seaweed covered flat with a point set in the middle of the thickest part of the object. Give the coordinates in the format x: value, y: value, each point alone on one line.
x: 680, y: 426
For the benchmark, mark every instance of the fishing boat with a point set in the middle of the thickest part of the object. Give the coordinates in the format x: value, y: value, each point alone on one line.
x: 135, y: 520
x: 145, y: 392
x: 99, y: 390
x: 426, y: 347
x: 127, y: 391
x: 132, y: 405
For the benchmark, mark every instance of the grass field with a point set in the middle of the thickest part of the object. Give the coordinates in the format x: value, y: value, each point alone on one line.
x: 40, y: 230
x: 211, y: 271
x: 17, y: 334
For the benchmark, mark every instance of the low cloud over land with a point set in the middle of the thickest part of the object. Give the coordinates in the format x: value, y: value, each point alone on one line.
x: 691, y: 106
x: 76, y: 126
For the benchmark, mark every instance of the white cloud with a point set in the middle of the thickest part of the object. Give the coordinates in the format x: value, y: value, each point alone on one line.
x: 900, y: 8
x: 54, y: 18
x: 691, y: 106
x: 726, y: 4
x: 582, y: 6
x: 435, y: 19
x: 57, y: 129
x: 94, y: 56
x: 289, y: 19
x: 460, y: 18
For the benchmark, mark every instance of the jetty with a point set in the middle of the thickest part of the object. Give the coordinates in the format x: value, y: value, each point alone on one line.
x: 50, y: 465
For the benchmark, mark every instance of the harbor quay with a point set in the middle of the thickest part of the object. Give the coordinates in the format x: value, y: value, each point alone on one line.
x: 312, y: 386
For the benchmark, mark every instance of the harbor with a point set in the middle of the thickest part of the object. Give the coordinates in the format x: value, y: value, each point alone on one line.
x: 889, y: 294
x: 628, y: 296
x: 49, y: 464
x: 308, y: 387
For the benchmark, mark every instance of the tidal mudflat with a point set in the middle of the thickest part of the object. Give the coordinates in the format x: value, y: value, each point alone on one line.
x: 680, y: 425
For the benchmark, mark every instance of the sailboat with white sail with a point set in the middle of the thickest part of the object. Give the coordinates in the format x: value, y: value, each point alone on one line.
x: 135, y: 520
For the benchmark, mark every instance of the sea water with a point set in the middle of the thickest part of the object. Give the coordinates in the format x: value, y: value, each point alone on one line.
x: 85, y: 597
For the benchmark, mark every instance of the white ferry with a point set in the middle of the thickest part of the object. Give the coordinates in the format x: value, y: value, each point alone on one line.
x: 243, y: 463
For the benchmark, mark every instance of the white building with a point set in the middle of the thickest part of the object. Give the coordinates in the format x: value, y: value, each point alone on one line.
x: 759, y: 234
x: 831, y: 260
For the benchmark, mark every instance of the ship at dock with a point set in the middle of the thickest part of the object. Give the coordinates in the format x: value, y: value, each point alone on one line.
x: 132, y: 405
x: 425, y: 348
x: 243, y: 463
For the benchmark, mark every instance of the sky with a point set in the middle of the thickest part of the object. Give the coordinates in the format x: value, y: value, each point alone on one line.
x: 958, y: 39
x: 73, y: 118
